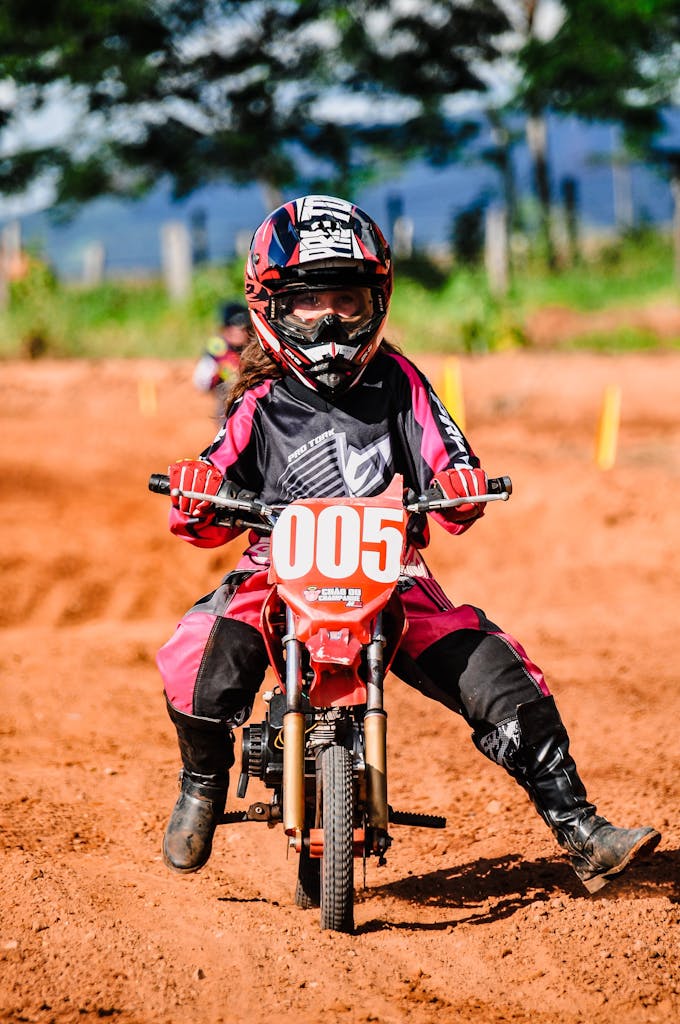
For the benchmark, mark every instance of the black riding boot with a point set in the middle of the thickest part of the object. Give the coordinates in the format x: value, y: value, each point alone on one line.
x: 207, y: 750
x: 534, y: 749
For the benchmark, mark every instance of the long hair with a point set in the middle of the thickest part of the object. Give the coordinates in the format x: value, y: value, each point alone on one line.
x: 256, y: 365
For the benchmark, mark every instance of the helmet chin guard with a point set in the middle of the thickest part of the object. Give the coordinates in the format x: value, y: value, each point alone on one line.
x: 319, y: 244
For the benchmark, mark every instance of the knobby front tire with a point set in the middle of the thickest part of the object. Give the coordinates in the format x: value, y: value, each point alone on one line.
x: 308, y: 888
x: 337, y: 863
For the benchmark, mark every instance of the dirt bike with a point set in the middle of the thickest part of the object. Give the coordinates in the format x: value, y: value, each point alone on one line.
x: 332, y: 624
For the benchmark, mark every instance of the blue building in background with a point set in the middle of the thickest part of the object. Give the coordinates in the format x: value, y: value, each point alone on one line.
x: 611, y: 194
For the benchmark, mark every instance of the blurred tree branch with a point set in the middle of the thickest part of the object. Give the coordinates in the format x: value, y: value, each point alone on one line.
x: 277, y: 91
x: 256, y: 90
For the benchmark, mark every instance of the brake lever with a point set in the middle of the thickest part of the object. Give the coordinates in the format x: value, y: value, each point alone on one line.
x: 250, y: 506
x: 424, y: 504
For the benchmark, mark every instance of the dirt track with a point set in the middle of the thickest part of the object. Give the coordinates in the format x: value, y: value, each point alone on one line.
x: 483, y: 922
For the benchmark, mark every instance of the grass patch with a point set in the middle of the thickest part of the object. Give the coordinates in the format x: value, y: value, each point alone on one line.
x: 434, y: 308
x: 624, y: 339
x: 629, y: 272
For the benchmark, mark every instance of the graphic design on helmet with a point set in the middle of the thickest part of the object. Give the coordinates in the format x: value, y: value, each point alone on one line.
x: 318, y: 283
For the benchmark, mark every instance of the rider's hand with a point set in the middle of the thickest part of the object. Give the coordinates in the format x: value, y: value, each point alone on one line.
x: 461, y: 482
x: 194, y: 475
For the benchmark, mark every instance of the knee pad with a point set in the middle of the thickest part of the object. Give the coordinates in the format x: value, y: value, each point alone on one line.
x: 231, y: 672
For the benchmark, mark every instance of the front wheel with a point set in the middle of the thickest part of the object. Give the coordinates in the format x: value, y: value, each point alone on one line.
x: 337, y: 864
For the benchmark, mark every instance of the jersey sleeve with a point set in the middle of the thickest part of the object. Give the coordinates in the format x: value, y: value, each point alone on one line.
x: 238, y: 449
x: 205, y: 375
x: 198, y: 533
x: 237, y: 453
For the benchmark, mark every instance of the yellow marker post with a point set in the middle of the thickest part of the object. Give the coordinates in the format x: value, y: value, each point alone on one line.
x: 148, y: 398
x: 453, y: 391
x: 608, y: 430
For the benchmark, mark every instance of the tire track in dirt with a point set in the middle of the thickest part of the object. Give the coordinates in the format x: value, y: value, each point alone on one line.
x: 481, y: 922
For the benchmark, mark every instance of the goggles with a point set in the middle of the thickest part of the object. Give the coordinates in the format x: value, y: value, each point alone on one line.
x: 302, y: 311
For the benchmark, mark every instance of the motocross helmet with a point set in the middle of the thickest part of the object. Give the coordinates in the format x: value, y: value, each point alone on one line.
x: 233, y: 314
x: 319, y: 249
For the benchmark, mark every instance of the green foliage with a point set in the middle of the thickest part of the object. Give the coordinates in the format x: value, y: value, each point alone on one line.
x: 435, y: 308
x: 459, y: 315
x: 423, y: 54
x: 32, y: 303
x: 422, y: 270
x: 108, y: 52
x: 609, y: 60
x: 625, y: 271
x: 203, y: 90
x: 467, y: 233
x: 624, y: 339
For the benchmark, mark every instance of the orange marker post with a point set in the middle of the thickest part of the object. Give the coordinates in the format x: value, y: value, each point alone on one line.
x: 147, y: 395
x: 608, y: 430
x: 453, y: 391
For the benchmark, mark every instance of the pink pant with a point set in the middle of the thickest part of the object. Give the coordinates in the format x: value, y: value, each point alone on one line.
x: 214, y: 663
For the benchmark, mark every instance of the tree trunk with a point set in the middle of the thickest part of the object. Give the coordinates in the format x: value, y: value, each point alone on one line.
x: 503, y: 161
x: 496, y: 250
x: 272, y: 195
x: 675, y: 189
x: 537, y: 141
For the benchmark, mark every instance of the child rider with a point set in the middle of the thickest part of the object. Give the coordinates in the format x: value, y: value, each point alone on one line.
x: 218, y: 366
x: 324, y: 406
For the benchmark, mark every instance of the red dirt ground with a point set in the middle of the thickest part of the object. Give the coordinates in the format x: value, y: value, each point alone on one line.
x: 482, y: 922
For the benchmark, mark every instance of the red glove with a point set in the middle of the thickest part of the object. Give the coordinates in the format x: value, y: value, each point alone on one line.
x: 194, y: 475
x: 459, y: 483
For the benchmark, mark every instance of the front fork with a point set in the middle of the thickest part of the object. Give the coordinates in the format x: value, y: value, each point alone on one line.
x: 375, y: 739
x: 293, y: 740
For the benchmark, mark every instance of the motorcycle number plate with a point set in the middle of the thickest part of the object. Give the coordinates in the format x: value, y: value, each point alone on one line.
x: 346, y: 545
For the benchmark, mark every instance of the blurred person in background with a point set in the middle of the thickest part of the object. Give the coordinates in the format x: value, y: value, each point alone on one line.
x: 219, y: 363
x: 325, y: 406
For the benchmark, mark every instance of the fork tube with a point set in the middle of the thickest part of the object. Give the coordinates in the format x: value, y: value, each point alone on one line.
x: 375, y: 733
x: 293, y: 739
x: 374, y: 659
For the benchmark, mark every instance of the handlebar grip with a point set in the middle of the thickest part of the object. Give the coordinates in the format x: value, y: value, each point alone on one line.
x: 159, y: 483
x: 499, y: 485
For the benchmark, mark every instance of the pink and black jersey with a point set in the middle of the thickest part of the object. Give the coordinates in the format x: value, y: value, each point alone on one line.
x: 284, y: 441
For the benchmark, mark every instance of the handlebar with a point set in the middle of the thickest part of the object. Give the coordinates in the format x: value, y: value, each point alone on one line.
x: 432, y: 500
x: 499, y: 489
x: 233, y: 508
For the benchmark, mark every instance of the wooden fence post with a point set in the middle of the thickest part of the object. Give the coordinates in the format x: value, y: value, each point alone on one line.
x: 176, y: 259
x: 402, y: 232
x: 496, y: 249
x: 94, y: 259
